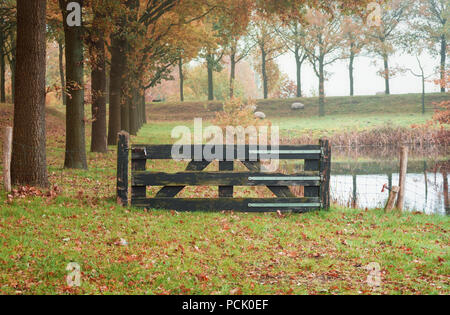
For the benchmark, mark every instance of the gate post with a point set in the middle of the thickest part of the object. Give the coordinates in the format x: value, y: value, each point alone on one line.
x: 325, y: 172
x: 122, y: 168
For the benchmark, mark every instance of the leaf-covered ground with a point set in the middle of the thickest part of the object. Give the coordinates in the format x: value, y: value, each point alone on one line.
x: 164, y: 252
x: 133, y: 251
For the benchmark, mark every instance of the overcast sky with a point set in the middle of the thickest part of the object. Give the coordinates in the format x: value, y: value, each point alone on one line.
x: 367, y: 82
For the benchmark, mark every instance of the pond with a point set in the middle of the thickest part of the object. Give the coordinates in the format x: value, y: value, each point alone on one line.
x: 358, y: 176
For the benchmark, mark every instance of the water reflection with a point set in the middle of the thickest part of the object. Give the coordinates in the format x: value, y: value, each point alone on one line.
x: 423, y: 192
x: 358, y: 175
x: 358, y: 181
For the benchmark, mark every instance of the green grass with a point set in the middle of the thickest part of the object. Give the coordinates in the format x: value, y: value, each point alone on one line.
x: 204, y: 253
x: 159, y: 132
x: 343, y: 115
x: 335, y: 106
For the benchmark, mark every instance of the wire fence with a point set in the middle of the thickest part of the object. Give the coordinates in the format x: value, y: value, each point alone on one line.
x: 425, y: 191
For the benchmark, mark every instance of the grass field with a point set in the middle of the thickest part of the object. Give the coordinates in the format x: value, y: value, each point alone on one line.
x: 126, y: 250
x: 346, y: 117
x: 174, y: 253
x: 359, y: 106
x: 160, y: 131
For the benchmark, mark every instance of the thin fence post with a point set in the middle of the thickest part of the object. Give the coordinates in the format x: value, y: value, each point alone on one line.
x: 325, y: 171
x: 402, y: 177
x: 122, y: 168
x: 226, y: 191
x: 7, y: 147
x: 391, y: 201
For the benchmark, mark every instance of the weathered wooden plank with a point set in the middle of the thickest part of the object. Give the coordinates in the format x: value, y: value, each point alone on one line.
x: 310, y: 166
x: 235, y: 204
x: 138, y: 190
x: 279, y: 191
x: 227, y: 152
x: 402, y: 177
x: 172, y: 191
x: 7, y: 151
x: 122, y: 168
x: 325, y: 170
x: 225, y: 178
x: 226, y: 191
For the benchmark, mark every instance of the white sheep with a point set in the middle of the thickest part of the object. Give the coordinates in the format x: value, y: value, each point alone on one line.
x: 260, y: 115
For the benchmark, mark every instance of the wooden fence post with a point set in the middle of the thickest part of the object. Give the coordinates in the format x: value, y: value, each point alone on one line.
x: 402, y: 177
x: 7, y: 147
x: 325, y: 171
x: 122, y: 168
x: 391, y: 201
x: 226, y: 191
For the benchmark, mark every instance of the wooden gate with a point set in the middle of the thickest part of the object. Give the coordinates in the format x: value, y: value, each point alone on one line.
x: 315, y: 178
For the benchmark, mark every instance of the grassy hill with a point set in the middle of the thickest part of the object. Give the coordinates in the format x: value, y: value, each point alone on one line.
x: 201, y: 253
x: 273, y: 108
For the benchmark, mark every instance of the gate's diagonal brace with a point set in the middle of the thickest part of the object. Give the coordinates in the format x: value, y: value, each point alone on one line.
x: 172, y: 191
x: 279, y: 191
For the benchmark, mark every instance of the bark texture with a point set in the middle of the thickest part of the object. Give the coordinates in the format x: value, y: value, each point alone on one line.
x: 29, y: 165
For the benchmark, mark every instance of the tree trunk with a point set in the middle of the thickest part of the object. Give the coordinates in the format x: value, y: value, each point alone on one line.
x: 141, y: 107
x: 180, y: 71
x: 12, y: 66
x: 75, y: 119
x: 321, y: 88
x: 131, y: 86
x: 108, y: 71
x: 264, y: 74
x: 28, y: 164
x: 98, y: 74
x: 125, y: 111
x: 134, y: 114
x: 2, y: 70
x: 115, y: 88
x: 351, y: 74
x: 386, y: 74
x: 144, y: 107
x: 423, y: 94
x: 232, y: 73
x: 210, y: 63
x: 298, y: 63
x: 443, y: 63
x: 11, y: 57
x: 61, y: 72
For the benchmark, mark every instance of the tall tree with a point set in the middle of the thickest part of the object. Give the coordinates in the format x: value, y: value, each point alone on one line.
x: 354, y: 32
x: 382, y: 38
x: 213, y: 64
x: 55, y: 32
x: 29, y: 165
x: 97, y: 56
x: 116, y: 77
x: 432, y: 26
x: 7, y: 44
x: 292, y: 34
x: 270, y: 47
x: 322, y: 42
x: 75, y: 156
x: 117, y: 73
x: 239, y: 49
x: 2, y: 67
